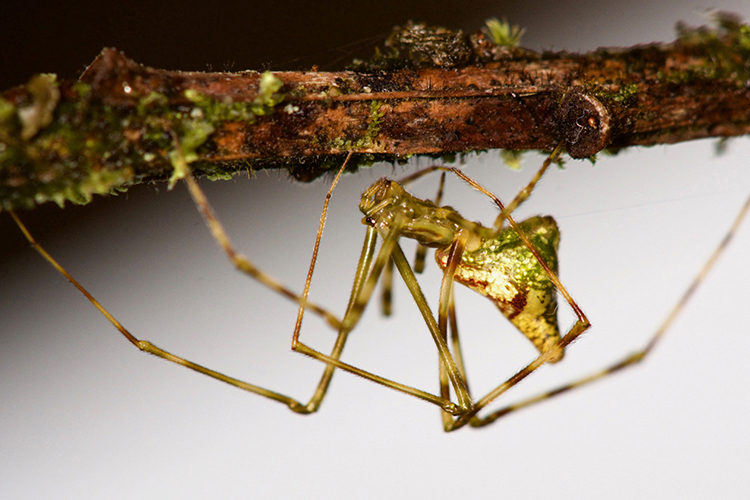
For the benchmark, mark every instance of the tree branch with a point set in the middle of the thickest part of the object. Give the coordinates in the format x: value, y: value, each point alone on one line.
x: 434, y: 92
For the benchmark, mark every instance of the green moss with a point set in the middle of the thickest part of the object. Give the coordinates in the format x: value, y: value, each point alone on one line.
x: 219, y: 176
x: 625, y: 95
x: 40, y: 111
x: 195, y: 128
x: 70, y: 149
x: 512, y: 158
x: 97, y: 182
x: 503, y: 34
x: 373, y: 125
x: 82, y: 89
x: 267, y: 93
x: 227, y: 110
x: 722, y: 52
x: 46, y: 149
x: 193, y: 134
x: 153, y: 101
x: 368, y: 139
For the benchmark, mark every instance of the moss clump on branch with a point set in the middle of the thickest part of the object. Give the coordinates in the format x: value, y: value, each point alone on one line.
x: 47, y: 151
x: 718, y: 53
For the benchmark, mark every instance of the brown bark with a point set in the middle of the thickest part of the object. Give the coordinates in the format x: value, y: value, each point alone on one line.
x: 118, y: 128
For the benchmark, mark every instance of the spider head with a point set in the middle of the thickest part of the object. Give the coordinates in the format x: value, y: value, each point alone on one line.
x: 388, y: 206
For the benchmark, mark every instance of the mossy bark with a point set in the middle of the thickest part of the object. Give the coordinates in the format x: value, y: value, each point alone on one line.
x: 116, y: 126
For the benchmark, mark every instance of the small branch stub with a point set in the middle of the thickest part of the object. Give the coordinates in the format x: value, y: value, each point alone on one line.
x: 585, y: 124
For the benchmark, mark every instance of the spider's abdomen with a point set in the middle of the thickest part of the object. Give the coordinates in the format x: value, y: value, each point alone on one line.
x: 504, y: 270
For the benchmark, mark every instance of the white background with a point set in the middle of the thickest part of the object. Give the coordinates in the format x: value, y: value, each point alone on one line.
x: 84, y: 415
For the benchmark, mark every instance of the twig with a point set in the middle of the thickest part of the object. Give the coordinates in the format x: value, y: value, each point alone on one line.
x: 435, y: 92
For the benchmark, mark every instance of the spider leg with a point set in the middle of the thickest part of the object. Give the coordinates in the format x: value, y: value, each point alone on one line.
x: 361, y: 294
x: 241, y: 263
x: 581, y: 325
x: 421, y: 252
x: 638, y: 356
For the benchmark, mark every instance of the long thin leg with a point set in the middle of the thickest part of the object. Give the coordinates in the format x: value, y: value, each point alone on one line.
x: 419, y: 258
x: 526, y: 191
x: 244, y: 265
x: 238, y: 260
x: 386, y: 297
x: 456, y: 343
x: 581, y: 325
x: 360, y: 279
x: 444, y: 309
x: 582, y: 322
x: 147, y: 346
x: 638, y: 356
x: 360, y: 298
x: 361, y: 293
x: 365, y: 280
x: 457, y: 381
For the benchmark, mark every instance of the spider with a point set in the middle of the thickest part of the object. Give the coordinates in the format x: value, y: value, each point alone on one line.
x: 513, y: 263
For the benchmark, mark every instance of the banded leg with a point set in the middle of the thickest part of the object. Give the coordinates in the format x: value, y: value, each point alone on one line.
x: 360, y: 297
x: 447, y: 309
x: 242, y: 264
x: 638, y: 356
x: 366, y: 277
x: 150, y: 348
x: 526, y: 191
x: 238, y: 260
x: 581, y: 325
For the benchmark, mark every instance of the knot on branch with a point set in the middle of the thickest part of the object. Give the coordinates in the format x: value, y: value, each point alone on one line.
x: 584, y: 122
